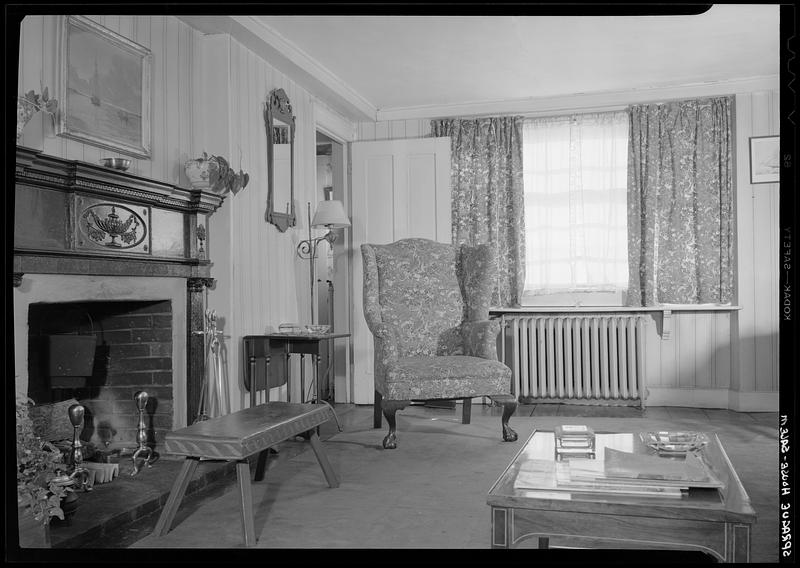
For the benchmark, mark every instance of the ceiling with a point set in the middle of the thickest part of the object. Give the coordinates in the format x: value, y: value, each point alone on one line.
x: 396, y: 66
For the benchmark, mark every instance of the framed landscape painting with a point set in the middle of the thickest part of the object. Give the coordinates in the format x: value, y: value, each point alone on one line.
x: 765, y: 159
x: 104, y: 88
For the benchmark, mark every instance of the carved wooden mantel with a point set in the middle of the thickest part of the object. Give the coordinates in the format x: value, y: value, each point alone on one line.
x: 72, y: 217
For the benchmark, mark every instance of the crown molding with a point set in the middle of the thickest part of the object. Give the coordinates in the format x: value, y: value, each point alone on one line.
x: 333, y: 124
x: 582, y: 102
x: 282, y: 54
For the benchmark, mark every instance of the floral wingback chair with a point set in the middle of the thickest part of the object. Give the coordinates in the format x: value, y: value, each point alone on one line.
x: 427, y: 306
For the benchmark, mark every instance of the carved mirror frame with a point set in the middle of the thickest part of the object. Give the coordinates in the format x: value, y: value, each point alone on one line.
x: 279, y: 109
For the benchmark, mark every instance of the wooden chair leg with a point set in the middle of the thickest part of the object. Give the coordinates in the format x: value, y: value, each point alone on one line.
x: 176, y: 496
x: 390, y: 441
x: 390, y: 407
x: 376, y: 410
x: 466, y: 411
x: 509, y: 407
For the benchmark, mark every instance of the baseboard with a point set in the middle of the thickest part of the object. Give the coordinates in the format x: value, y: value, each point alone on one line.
x: 714, y: 398
x: 754, y: 401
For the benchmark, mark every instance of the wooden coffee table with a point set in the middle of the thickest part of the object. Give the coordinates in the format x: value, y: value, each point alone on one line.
x: 714, y: 521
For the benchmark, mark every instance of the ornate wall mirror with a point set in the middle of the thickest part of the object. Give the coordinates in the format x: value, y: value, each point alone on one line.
x: 280, y: 160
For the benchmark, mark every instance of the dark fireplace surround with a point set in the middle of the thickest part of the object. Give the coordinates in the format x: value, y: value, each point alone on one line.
x: 75, y: 218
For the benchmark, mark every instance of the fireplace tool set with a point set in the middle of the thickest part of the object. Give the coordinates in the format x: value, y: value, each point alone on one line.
x: 213, y: 393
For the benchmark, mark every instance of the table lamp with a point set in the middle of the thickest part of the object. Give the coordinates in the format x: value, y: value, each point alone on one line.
x: 330, y: 214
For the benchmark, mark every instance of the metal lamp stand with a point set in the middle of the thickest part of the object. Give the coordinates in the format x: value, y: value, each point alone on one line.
x: 307, y: 249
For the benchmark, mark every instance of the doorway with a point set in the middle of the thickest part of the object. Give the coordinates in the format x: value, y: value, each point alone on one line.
x: 332, y: 268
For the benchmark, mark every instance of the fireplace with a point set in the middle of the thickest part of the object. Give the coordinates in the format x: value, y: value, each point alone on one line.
x: 101, y: 354
x: 141, y: 295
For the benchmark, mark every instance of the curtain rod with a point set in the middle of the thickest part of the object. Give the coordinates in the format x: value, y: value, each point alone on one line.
x: 581, y: 110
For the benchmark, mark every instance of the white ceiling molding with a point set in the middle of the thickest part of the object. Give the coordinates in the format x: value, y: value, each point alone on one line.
x: 582, y: 102
x: 287, y: 58
x: 332, y: 124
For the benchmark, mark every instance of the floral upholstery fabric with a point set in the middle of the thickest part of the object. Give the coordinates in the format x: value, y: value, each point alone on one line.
x: 480, y: 338
x: 427, y: 306
x: 425, y: 378
x: 487, y: 194
x: 420, y: 295
x: 475, y: 263
x: 680, y: 202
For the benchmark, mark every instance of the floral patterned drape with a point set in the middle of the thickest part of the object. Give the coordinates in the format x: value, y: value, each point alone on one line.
x: 487, y: 194
x: 680, y: 218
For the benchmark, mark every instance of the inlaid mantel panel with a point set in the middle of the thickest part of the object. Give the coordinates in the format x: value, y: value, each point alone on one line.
x: 111, y: 227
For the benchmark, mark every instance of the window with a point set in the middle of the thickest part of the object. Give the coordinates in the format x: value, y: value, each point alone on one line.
x: 575, y: 183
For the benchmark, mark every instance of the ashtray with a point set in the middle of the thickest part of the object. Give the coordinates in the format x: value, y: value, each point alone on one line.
x: 121, y: 164
x: 674, y: 442
x: 318, y: 328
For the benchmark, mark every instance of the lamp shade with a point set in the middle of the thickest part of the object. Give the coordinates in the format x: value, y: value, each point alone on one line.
x: 330, y: 214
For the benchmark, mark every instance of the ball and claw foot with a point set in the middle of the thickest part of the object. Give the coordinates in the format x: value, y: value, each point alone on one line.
x: 390, y: 441
x: 508, y: 434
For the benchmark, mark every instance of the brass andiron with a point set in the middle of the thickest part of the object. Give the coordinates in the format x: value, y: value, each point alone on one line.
x: 141, y: 435
x: 79, y: 474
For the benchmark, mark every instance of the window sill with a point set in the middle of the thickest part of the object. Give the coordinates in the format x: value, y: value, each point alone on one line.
x: 616, y: 309
x: 666, y: 311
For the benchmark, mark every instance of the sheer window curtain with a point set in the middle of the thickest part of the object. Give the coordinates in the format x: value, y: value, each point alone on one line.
x: 575, y: 179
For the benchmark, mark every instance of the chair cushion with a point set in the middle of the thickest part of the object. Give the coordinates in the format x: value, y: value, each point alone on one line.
x: 453, y: 376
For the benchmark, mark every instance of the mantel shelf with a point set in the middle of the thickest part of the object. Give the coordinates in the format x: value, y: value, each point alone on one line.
x: 72, y: 217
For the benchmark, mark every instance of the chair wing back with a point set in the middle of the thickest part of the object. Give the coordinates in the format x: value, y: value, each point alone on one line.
x: 413, y: 285
x: 477, y: 269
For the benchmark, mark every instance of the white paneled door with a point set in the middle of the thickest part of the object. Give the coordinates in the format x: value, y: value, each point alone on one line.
x: 400, y: 189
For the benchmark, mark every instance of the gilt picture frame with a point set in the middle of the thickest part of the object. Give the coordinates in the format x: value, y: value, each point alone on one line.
x: 764, y: 159
x: 104, y: 88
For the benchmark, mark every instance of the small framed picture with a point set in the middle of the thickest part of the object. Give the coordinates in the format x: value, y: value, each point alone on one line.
x: 765, y: 159
x: 104, y: 87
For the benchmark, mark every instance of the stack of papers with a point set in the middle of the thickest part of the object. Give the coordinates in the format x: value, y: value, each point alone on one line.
x: 688, y: 472
x: 621, y: 473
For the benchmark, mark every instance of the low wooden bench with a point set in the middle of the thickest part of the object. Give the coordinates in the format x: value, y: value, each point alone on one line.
x: 235, y: 437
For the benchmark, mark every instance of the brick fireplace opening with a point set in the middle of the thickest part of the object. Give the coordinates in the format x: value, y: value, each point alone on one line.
x: 102, y: 353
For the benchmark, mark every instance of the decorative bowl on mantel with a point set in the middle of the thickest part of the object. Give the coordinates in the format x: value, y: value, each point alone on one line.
x: 120, y: 164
